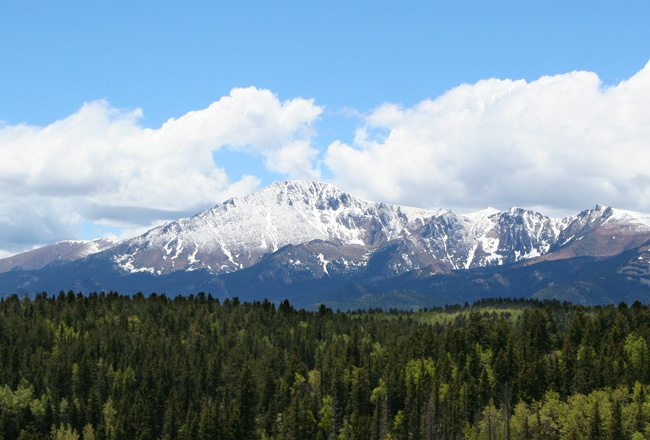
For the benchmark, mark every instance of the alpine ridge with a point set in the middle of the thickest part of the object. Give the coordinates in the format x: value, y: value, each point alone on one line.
x: 304, y: 230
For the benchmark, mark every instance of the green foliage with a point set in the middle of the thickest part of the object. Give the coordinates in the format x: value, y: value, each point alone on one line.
x: 105, y: 366
x: 64, y: 432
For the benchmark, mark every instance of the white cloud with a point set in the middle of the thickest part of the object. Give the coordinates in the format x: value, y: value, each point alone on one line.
x: 558, y: 144
x: 25, y: 222
x: 5, y: 254
x: 101, y: 164
x: 561, y: 142
x: 295, y: 159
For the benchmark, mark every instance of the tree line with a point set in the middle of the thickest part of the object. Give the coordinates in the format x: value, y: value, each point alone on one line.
x: 107, y: 366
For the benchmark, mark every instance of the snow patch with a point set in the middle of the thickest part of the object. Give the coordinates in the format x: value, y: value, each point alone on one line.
x: 323, y: 262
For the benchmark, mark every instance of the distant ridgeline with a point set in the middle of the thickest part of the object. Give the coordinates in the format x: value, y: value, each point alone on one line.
x: 313, y: 243
x: 106, y: 366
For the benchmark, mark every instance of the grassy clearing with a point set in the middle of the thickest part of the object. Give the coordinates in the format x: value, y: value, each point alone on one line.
x: 445, y: 318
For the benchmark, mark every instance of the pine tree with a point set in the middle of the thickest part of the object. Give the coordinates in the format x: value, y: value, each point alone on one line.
x: 615, y: 431
x: 595, y: 431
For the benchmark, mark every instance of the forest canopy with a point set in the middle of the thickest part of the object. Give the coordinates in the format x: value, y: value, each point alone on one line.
x: 107, y: 366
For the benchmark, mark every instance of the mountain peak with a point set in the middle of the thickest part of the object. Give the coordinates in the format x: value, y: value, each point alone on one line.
x: 241, y: 231
x: 303, y: 185
x: 296, y: 191
x: 289, y: 192
x: 483, y: 213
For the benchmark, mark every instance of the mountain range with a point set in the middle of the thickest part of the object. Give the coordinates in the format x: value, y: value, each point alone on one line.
x: 311, y: 243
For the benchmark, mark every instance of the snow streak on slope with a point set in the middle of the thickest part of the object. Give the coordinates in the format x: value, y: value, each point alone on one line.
x: 361, y: 234
x: 239, y: 232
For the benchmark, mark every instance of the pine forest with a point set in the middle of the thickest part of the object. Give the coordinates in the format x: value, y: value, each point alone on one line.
x: 107, y: 366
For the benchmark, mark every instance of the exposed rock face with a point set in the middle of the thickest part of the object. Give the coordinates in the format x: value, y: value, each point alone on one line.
x: 331, y: 231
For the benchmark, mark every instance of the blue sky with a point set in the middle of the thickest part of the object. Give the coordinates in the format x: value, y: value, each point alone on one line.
x: 363, y: 89
x: 171, y: 57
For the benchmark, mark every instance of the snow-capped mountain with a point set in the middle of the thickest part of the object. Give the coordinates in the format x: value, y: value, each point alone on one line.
x: 239, y: 232
x: 303, y: 230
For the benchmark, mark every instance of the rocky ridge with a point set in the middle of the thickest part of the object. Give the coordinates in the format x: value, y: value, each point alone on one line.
x: 337, y: 233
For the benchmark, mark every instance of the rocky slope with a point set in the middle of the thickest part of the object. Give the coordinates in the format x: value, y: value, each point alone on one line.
x: 237, y: 233
x: 303, y: 230
x: 57, y: 253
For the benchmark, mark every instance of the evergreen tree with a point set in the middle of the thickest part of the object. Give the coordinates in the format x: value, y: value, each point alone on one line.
x: 615, y: 431
x: 595, y: 429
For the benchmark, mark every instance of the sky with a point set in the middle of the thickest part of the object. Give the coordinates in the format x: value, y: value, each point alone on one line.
x: 118, y: 116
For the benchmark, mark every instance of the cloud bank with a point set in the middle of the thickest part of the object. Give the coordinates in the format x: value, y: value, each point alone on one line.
x: 100, y: 164
x: 558, y: 144
x: 561, y: 143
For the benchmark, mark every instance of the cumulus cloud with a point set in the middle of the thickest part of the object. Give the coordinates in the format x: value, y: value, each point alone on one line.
x: 296, y: 159
x: 29, y: 221
x: 101, y: 164
x: 560, y: 143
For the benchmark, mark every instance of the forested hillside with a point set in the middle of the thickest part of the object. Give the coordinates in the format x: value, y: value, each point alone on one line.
x: 106, y: 366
